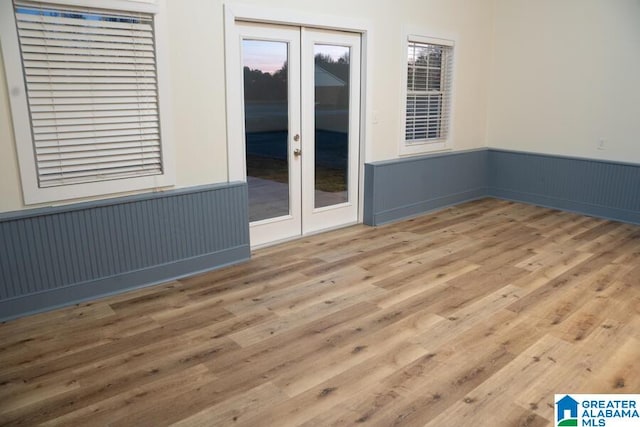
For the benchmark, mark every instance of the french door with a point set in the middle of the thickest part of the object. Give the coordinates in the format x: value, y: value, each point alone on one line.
x: 301, y: 108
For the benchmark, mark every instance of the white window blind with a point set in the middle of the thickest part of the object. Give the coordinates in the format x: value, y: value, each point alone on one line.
x: 92, y: 93
x: 428, y: 91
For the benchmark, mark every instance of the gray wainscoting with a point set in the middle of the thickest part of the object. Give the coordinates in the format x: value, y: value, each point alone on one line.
x: 593, y: 187
x: 398, y: 189
x: 56, y: 256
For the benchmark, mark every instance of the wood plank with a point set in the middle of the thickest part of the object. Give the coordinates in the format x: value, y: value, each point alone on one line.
x: 236, y: 408
x: 298, y: 379
x: 619, y: 374
x: 329, y: 393
x: 322, y: 308
x: 116, y: 410
x: 484, y: 403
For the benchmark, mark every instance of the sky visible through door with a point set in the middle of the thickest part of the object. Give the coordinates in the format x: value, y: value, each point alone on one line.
x: 266, y: 127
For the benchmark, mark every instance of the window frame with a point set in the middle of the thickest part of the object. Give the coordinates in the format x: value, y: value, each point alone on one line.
x: 409, y: 147
x: 15, y: 75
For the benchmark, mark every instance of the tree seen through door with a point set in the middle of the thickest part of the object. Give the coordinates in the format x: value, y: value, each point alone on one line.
x: 266, y: 126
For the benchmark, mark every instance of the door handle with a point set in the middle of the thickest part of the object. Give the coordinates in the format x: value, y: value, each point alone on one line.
x: 297, y: 152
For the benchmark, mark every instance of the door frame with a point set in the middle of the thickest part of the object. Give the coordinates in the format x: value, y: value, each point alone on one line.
x: 236, y: 168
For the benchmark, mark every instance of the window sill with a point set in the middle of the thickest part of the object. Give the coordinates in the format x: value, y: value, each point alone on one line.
x: 426, y: 147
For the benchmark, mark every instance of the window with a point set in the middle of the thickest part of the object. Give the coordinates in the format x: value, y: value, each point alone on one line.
x: 90, y: 93
x: 428, y: 94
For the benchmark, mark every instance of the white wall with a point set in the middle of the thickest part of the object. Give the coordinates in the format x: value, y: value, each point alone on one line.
x: 197, y: 83
x: 565, y: 74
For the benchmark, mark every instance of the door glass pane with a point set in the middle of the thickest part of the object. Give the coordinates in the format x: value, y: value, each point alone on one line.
x: 266, y: 115
x: 331, y: 124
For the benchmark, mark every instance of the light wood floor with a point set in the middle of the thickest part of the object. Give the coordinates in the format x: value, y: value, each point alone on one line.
x: 472, y: 316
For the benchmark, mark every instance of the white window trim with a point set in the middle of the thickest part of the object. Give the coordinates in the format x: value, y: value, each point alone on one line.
x: 32, y: 193
x: 417, y: 148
